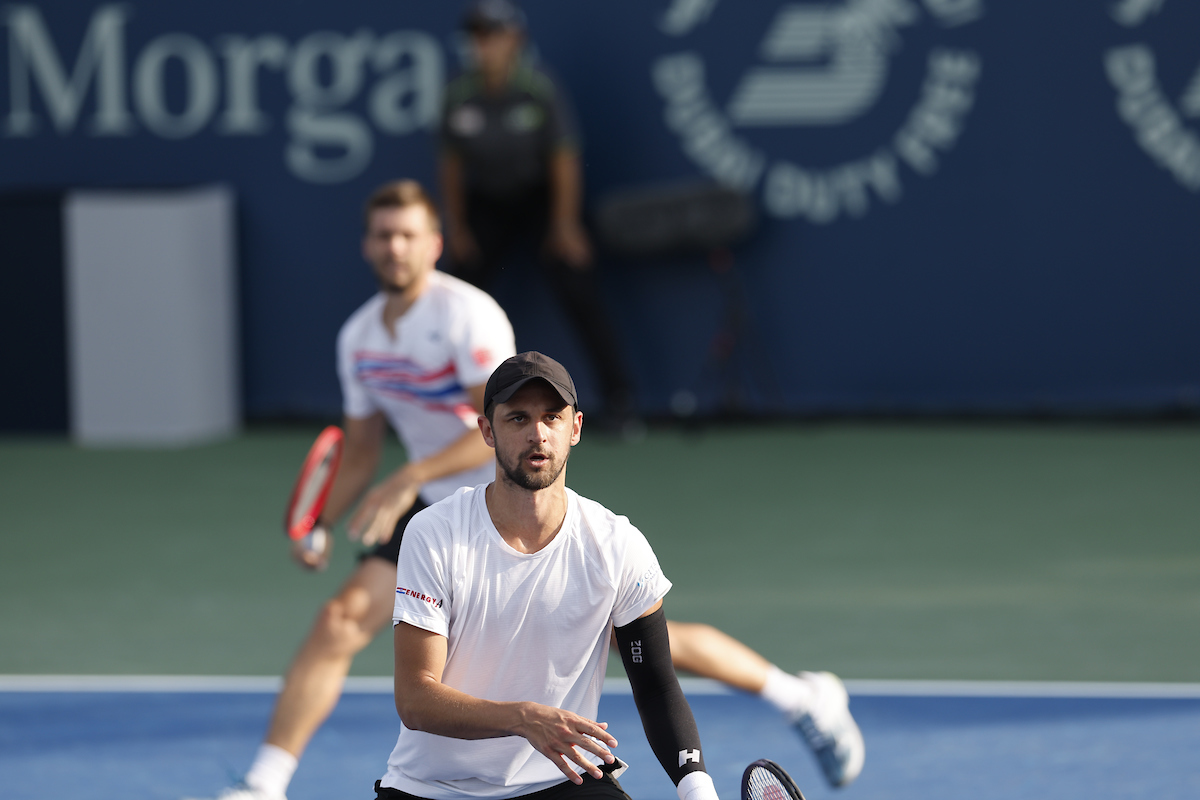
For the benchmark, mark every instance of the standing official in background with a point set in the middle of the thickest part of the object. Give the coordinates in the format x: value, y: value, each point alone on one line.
x: 510, y: 175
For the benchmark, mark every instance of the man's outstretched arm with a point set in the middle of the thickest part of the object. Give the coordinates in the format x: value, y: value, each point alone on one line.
x: 426, y: 704
x: 666, y: 716
x: 384, y: 505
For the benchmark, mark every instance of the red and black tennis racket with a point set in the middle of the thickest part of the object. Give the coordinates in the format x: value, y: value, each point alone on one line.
x: 766, y: 780
x: 312, y: 490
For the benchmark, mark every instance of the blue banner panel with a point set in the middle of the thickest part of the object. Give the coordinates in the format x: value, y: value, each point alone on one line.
x: 964, y: 205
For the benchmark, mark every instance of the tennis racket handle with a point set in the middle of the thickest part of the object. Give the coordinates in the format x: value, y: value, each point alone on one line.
x: 316, y: 541
x: 696, y: 786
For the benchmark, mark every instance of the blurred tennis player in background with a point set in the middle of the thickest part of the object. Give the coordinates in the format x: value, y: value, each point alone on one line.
x: 417, y: 355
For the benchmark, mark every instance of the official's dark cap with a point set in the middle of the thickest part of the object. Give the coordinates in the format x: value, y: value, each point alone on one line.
x: 492, y: 15
x: 520, y: 370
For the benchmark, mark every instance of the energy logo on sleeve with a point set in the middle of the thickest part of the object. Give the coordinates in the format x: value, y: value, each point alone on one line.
x: 1157, y: 91
x: 424, y: 598
x: 818, y: 66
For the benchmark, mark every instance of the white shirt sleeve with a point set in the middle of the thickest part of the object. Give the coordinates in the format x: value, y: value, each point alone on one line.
x: 642, y: 582
x: 356, y: 401
x: 423, y: 579
x: 484, y: 338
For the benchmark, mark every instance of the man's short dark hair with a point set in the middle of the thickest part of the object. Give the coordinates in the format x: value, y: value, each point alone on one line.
x: 401, y: 194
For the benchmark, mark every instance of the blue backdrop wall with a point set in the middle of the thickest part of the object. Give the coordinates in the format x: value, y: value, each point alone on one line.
x: 965, y: 205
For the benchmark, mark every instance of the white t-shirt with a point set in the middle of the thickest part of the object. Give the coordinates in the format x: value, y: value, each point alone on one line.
x: 520, y: 626
x: 454, y: 336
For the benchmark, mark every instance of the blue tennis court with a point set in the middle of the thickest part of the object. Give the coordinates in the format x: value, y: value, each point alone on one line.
x: 165, y: 739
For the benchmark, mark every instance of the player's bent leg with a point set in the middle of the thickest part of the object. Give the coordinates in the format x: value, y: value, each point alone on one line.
x: 815, y: 703
x: 345, y: 625
x: 709, y: 653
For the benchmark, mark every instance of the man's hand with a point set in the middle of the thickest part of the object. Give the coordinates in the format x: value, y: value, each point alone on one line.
x: 382, y: 508
x: 569, y: 242
x: 312, y: 551
x: 559, y: 734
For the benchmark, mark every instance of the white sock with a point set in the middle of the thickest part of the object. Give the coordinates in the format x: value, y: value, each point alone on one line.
x: 789, y: 693
x: 272, y: 770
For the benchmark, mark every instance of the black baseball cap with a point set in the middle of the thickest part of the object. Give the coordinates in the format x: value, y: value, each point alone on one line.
x: 493, y: 15
x: 523, y: 368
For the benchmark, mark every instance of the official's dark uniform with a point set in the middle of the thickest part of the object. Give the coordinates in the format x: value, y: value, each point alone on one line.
x: 505, y: 142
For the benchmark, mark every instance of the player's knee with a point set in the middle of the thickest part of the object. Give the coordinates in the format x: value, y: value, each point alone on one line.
x: 688, y: 639
x: 340, y: 625
x: 683, y: 634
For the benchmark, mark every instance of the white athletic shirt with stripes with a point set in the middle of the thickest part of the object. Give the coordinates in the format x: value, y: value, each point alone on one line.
x: 451, y: 338
x: 520, y: 626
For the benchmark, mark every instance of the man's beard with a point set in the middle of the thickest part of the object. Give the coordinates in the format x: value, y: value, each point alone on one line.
x: 528, y: 480
x: 386, y: 284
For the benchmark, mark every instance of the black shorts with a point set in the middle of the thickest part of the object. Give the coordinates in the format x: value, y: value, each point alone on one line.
x: 605, y: 788
x: 390, y: 550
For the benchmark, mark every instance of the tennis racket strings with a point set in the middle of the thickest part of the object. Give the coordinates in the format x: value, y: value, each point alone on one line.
x: 766, y: 780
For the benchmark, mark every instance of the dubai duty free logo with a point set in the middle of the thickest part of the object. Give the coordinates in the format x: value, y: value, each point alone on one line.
x: 818, y: 65
x: 1158, y: 93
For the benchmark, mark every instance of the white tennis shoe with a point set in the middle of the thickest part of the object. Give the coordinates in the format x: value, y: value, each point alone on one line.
x: 244, y: 792
x: 830, y: 731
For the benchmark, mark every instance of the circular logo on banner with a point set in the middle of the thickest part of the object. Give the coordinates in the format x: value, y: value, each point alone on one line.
x: 1158, y: 90
x: 817, y: 66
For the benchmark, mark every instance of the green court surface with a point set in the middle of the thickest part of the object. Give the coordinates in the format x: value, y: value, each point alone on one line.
x: 877, y: 550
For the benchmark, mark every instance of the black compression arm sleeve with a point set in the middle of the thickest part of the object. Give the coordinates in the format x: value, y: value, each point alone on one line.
x: 666, y: 715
